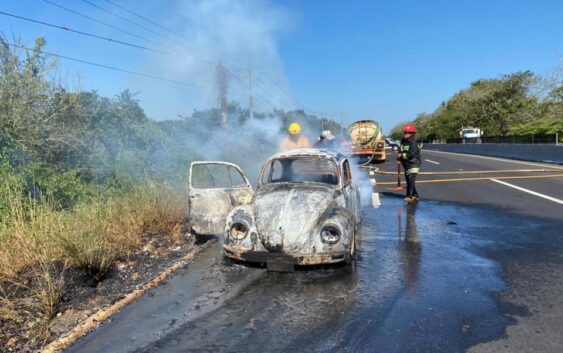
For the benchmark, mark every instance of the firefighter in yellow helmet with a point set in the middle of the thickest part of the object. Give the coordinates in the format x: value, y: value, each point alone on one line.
x: 294, y: 139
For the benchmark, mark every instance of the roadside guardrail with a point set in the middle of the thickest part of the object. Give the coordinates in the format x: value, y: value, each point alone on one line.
x: 537, y: 139
x: 527, y: 152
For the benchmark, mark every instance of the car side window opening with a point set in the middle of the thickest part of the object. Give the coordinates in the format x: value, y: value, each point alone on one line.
x: 319, y: 170
x: 216, y: 176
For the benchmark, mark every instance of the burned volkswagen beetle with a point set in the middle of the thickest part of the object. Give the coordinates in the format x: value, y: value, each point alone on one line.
x: 305, y: 211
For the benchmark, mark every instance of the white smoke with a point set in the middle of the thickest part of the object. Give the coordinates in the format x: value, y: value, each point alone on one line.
x: 248, y: 145
x: 243, y: 34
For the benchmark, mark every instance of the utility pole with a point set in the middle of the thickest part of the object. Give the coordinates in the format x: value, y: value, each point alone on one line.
x: 222, y: 82
x: 250, y: 99
x: 249, y: 74
x: 341, y: 123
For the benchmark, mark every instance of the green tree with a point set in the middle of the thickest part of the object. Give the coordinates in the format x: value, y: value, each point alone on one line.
x: 498, y: 106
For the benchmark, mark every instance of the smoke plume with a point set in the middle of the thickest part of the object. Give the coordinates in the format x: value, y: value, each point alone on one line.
x: 243, y: 34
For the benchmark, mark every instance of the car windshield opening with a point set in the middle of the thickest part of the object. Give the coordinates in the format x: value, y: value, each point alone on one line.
x: 301, y: 169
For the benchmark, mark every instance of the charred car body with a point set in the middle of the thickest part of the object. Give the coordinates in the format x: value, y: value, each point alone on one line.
x: 305, y: 211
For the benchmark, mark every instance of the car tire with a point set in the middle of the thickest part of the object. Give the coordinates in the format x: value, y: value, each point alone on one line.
x: 352, y: 254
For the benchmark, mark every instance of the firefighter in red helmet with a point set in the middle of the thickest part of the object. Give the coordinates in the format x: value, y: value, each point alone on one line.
x: 409, y: 157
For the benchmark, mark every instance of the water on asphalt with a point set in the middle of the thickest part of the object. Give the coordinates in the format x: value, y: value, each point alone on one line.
x: 421, y: 283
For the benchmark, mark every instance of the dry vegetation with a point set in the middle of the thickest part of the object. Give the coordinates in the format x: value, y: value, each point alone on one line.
x: 39, y: 243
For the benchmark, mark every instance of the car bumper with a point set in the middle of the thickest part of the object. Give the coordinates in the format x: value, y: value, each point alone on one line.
x: 274, y: 260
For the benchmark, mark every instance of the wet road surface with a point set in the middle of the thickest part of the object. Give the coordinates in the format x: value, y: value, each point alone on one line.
x: 439, y: 276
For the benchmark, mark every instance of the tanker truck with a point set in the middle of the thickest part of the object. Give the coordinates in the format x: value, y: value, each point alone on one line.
x: 366, y: 141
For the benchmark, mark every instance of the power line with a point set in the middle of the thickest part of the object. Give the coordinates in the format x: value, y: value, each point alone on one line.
x: 292, y: 100
x: 285, y: 92
x: 184, y: 40
x: 108, y: 67
x: 98, y: 21
x: 270, y: 90
x: 144, y: 18
x: 122, y: 30
x: 266, y: 100
x: 68, y: 29
x: 275, y: 106
x: 111, y: 40
x: 246, y: 86
x: 123, y: 18
x: 84, y: 33
x: 211, y: 61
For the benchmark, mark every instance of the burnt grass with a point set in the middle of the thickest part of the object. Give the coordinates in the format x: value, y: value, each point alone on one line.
x: 83, y: 295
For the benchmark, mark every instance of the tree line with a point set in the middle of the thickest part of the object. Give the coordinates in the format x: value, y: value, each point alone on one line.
x: 520, y: 103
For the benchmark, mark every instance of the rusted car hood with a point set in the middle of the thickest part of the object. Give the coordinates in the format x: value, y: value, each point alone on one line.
x: 287, y: 214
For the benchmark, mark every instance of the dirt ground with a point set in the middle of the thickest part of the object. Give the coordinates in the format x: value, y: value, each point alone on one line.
x: 84, y: 296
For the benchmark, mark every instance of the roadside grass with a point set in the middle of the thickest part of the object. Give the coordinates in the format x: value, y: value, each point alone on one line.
x: 39, y: 241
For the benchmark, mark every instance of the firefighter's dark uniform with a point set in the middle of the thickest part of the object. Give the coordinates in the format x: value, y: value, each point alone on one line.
x: 409, y: 154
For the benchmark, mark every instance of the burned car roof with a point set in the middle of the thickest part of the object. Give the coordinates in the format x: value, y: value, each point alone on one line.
x: 309, y: 152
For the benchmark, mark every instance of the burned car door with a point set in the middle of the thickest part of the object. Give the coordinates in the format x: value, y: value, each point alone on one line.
x: 215, y: 188
x: 350, y: 190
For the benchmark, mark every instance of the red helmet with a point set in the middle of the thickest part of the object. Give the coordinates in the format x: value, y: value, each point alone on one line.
x: 409, y: 127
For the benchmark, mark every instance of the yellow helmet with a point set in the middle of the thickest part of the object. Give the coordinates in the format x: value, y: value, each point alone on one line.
x: 294, y: 128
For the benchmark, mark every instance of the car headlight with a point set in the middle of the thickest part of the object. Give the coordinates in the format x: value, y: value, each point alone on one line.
x: 330, y: 234
x: 238, y: 231
x: 380, y: 145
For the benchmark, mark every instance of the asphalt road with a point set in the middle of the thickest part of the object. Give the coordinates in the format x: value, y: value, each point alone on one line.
x: 474, y: 188
x: 476, y: 265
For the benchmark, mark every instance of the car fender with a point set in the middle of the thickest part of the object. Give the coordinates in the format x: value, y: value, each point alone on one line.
x: 245, y: 215
x: 345, y: 220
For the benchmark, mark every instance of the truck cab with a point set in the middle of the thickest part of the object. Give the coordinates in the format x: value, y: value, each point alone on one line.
x: 469, y: 133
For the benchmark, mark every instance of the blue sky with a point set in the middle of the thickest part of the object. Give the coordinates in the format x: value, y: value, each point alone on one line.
x: 384, y: 60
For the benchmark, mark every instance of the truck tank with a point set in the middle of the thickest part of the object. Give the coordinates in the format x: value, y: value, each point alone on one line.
x: 366, y: 141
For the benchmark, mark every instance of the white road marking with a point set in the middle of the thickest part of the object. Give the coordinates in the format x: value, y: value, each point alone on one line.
x: 432, y: 161
x: 375, y: 202
x: 529, y: 191
x: 497, y: 159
